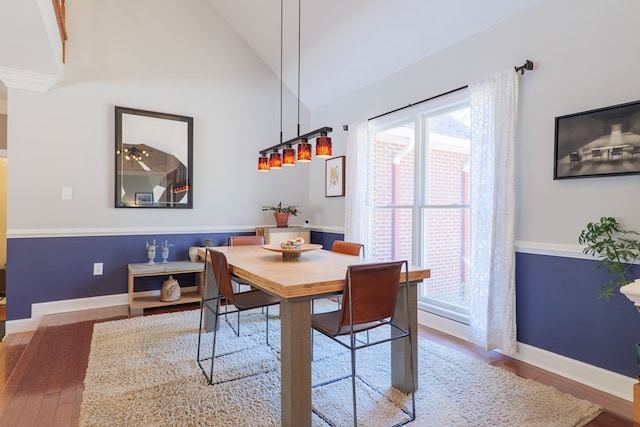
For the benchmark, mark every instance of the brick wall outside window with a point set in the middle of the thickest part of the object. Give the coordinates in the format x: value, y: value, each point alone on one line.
x: 446, y: 241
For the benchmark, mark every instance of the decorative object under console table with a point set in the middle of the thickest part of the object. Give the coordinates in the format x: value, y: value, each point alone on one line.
x: 138, y: 301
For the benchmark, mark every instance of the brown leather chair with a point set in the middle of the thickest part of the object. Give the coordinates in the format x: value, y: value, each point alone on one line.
x: 349, y: 248
x: 244, y: 241
x: 218, y: 291
x: 369, y: 302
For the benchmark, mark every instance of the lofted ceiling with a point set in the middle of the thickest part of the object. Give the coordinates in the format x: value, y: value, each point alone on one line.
x: 344, y: 45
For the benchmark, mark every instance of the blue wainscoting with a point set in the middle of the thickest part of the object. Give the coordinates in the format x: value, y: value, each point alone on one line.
x: 557, y: 305
x: 325, y: 239
x: 61, y: 268
x: 558, y: 310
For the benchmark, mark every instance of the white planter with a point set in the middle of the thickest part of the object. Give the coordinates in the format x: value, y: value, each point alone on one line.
x: 632, y: 291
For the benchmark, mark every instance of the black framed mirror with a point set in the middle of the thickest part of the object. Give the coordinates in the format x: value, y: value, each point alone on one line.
x: 154, y: 159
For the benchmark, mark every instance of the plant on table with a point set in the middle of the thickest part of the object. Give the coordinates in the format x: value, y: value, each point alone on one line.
x: 290, y: 209
x: 282, y: 213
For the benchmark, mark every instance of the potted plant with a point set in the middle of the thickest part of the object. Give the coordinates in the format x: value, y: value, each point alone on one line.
x: 282, y: 213
x: 617, y: 249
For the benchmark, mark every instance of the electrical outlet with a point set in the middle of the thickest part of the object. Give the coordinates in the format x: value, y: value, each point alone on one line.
x: 97, y: 269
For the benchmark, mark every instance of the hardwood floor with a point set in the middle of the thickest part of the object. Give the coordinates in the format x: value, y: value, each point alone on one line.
x: 42, y: 372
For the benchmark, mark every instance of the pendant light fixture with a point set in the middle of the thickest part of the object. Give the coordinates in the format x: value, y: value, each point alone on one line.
x: 275, y: 161
x: 263, y: 163
x: 323, y: 142
x: 323, y: 146
x: 289, y: 156
x: 304, y: 151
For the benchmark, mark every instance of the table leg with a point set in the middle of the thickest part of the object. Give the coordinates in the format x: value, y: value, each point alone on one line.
x: 295, y: 320
x: 400, y: 362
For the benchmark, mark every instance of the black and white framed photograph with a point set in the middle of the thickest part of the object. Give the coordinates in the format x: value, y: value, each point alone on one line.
x: 600, y: 142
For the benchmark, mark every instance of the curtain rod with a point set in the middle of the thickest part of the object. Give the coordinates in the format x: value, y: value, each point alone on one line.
x: 528, y: 65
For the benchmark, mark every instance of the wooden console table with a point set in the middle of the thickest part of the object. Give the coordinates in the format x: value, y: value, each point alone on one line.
x: 138, y: 302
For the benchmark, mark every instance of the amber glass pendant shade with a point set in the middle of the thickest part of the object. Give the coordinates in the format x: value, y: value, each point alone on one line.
x: 263, y: 163
x: 289, y: 156
x: 323, y: 146
x: 275, y: 161
x: 304, y: 152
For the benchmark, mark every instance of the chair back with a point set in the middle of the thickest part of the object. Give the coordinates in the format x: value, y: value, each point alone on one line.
x: 370, y: 292
x: 220, y: 269
x: 574, y: 156
x: 349, y: 248
x: 246, y: 240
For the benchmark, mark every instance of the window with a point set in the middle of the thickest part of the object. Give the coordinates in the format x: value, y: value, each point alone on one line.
x: 420, y: 199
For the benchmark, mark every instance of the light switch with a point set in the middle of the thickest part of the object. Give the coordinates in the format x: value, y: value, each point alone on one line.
x: 67, y: 193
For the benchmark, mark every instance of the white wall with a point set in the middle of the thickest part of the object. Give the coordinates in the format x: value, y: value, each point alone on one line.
x: 158, y: 55
x: 585, y: 56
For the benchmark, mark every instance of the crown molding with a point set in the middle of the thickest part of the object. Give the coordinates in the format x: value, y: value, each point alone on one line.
x: 28, y: 80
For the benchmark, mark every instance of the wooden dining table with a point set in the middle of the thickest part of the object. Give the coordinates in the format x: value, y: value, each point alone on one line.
x: 296, y: 281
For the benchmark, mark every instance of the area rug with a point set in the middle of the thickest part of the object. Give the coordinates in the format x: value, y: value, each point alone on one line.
x: 143, y: 372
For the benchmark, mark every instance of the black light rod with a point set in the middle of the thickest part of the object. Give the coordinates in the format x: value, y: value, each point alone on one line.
x: 297, y: 139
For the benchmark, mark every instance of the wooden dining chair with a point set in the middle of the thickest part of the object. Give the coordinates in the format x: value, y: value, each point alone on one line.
x: 369, y: 302
x: 218, y: 292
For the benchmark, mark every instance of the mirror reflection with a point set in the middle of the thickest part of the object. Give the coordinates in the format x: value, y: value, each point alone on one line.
x: 153, y: 159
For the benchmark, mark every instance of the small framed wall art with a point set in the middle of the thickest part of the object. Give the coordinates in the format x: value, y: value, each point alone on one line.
x: 144, y: 199
x: 334, y: 177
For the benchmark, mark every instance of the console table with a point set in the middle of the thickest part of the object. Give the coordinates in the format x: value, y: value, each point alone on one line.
x: 275, y: 235
x: 138, y: 301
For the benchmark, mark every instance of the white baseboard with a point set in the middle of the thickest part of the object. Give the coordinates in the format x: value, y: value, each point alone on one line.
x: 607, y: 381
x: 39, y: 310
x: 592, y: 376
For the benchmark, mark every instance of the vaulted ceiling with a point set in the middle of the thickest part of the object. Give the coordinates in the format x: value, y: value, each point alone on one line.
x: 344, y: 45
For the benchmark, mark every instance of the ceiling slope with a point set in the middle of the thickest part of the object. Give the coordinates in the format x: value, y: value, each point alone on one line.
x: 346, y: 45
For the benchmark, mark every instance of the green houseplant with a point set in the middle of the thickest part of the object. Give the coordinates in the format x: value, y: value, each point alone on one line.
x: 282, y: 213
x: 617, y: 249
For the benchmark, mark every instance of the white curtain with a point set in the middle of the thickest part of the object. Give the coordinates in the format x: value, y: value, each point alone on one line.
x: 356, y: 223
x: 493, y: 122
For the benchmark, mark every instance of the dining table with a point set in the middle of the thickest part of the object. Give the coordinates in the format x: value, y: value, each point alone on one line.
x: 296, y: 282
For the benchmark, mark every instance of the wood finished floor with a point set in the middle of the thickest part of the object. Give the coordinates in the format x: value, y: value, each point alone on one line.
x: 42, y: 372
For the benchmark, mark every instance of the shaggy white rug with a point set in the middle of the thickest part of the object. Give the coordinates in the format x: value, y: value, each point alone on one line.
x: 143, y: 372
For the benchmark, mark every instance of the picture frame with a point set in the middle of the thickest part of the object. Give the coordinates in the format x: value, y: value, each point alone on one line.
x: 600, y: 142
x: 144, y: 199
x: 334, y: 177
x: 153, y: 154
